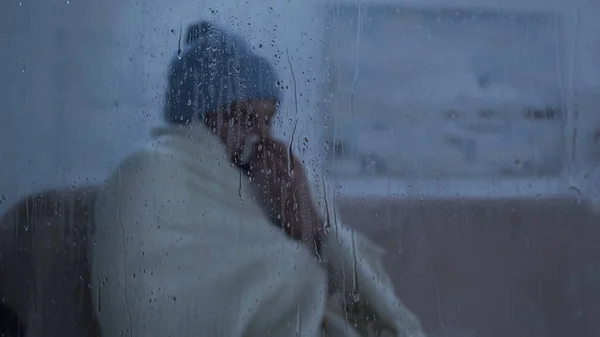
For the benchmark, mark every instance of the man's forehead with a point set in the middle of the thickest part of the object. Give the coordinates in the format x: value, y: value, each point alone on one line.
x: 264, y: 103
x: 257, y: 105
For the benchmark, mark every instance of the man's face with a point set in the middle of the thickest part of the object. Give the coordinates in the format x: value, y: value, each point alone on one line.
x: 243, y: 121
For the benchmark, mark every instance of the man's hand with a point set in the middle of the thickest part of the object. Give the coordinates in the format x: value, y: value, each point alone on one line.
x: 281, y: 185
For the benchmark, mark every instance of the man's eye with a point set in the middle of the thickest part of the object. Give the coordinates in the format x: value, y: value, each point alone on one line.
x: 250, y: 119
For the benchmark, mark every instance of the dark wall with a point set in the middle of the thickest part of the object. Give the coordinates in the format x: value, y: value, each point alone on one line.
x: 44, y: 276
x: 490, y: 267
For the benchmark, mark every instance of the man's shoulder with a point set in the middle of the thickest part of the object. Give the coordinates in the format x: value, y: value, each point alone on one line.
x: 150, y: 156
x: 147, y: 171
x: 148, y: 162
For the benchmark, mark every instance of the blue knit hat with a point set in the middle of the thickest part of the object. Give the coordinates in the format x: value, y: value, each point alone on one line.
x: 216, y: 68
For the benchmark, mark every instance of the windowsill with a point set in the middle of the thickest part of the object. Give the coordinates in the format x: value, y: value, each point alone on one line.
x: 454, y: 188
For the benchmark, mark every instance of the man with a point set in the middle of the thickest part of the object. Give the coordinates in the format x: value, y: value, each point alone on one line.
x: 193, y: 238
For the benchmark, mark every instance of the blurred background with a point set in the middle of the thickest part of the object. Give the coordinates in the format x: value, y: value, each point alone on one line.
x: 462, y: 135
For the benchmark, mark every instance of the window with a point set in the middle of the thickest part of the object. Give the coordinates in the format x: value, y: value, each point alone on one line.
x: 138, y: 198
x: 476, y: 93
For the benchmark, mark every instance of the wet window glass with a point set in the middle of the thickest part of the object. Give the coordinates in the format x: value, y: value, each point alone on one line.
x: 299, y: 168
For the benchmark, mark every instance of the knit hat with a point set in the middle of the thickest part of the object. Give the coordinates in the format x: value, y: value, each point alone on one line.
x: 215, y: 68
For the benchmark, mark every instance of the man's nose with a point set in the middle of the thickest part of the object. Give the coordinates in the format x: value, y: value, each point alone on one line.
x: 262, y: 130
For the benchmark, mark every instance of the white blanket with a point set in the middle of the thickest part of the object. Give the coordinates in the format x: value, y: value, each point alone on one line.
x: 181, y: 248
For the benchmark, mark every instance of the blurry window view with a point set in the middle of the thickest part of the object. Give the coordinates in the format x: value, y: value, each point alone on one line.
x: 476, y: 93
